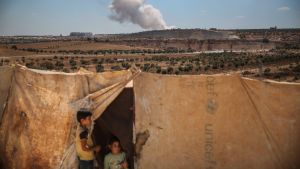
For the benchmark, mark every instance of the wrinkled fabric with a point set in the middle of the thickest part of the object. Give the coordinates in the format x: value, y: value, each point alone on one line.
x: 38, y: 124
x: 6, y: 73
x: 181, y: 122
x: 216, y: 122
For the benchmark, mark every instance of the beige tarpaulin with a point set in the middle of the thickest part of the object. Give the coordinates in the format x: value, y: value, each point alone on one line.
x: 5, y: 77
x: 182, y: 122
x: 216, y: 122
x: 38, y: 123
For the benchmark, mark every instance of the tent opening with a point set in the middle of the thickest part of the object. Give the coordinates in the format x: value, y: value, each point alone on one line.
x: 117, y: 120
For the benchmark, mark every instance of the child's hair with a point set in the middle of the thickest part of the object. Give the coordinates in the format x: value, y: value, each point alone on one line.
x: 113, y: 139
x: 82, y: 114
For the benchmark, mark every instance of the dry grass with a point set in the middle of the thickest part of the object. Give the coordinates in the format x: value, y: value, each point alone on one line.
x: 76, y: 45
x: 7, y: 51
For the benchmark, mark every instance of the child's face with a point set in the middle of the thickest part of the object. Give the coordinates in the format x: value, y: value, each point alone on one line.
x: 87, y: 121
x: 115, y: 147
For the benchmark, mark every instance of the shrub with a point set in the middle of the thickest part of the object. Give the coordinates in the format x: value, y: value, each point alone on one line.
x: 116, y: 67
x: 66, y: 70
x: 245, y: 73
x: 14, y: 47
x: 73, y: 68
x: 146, y: 67
x: 59, y: 64
x: 206, y: 68
x: 265, y: 40
x: 170, y: 70
x: 95, y: 60
x: 30, y: 65
x: 99, y: 68
x: 84, y: 62
x: 296, y: 69
x: 158, y: 69
x: 73, y: 62
x: 267, y: 70
x: 47, y: 65
x: 125, y: 65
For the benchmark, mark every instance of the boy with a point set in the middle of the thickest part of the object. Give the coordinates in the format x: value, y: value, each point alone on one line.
x: 84, y: 144
x: 116, y: 159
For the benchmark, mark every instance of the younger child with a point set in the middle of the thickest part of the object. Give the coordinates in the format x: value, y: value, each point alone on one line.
x: 116, y: 159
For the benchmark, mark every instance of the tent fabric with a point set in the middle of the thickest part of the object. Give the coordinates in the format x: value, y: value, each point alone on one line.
x: 38, y: 124
x: 214, y: 122
x: 210, y: 122
x: 6, y: 77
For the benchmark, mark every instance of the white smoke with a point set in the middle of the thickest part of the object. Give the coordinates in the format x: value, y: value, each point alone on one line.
x: 137, y: 12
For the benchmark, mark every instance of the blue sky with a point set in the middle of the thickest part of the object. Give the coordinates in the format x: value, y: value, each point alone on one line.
x: 54, y: 17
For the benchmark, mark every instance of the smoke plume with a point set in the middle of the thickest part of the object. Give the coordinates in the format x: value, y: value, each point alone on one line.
x: 137, y: 12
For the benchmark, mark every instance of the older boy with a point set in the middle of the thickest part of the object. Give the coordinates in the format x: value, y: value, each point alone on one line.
x: 84, y: 144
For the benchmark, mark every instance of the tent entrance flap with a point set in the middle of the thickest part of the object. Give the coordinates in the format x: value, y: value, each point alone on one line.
x: 117, y: 120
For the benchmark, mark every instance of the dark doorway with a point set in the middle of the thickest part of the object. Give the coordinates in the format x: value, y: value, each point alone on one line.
x: 117, y: 120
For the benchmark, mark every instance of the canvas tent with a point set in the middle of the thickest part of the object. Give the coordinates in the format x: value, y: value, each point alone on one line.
x: 38, y: 113
x: 181, y: 122
x: 217, y: 122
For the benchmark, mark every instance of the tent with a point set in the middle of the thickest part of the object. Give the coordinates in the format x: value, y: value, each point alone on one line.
x: 217, y: 122
x: 181, y: 122
x: 38, y: 113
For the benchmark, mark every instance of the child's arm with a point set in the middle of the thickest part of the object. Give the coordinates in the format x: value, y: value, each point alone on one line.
x: 84, y: 145
x: 106, y: 164
x: 124, y: 163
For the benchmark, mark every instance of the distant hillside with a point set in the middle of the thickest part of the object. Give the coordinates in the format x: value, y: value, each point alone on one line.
x: 198, y: 34
x: 272, y: 34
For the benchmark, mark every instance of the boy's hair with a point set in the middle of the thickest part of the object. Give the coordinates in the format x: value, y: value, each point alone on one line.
x: 82, y: 114
x: 113, y: 139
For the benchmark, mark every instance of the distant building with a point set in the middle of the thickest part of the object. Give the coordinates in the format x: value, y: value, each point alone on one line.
x: 81, y: 34
x: 273, y: 28
x: 213, y: 29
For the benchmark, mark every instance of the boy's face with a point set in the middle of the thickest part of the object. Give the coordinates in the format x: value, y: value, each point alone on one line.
x: 87, y: 122
x: 115, y: 147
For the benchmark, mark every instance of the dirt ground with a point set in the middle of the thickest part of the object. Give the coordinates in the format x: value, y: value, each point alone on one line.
x: 69, y: 46
x: 8, y: 51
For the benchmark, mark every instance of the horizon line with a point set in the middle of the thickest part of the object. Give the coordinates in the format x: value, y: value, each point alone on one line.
x: 209, y: 29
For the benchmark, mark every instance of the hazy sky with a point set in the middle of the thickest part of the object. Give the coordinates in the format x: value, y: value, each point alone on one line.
x: 54, y: 17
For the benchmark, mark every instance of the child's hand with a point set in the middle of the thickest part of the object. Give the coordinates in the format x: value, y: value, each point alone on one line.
x: 124, y: 165
x: 97, y: 149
